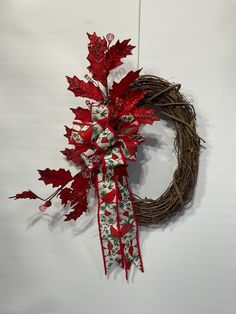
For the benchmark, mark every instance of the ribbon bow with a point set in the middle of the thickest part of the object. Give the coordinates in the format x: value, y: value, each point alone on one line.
x: 106, y: 155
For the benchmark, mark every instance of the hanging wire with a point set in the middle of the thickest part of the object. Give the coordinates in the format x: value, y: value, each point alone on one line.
x: 139, y: 30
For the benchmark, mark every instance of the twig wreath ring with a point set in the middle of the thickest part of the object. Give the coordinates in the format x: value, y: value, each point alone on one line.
x: 181, y: 114
x: 105, y: 136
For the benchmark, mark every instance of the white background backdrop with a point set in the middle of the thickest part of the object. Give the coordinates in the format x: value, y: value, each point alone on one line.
x: 48, y: 266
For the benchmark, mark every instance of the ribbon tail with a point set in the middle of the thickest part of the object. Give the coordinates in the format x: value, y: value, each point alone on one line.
x: 128, y: 227
x: 118, y: 229
x: 108, y: 222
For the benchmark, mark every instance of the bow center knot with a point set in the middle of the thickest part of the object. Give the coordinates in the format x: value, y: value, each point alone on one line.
x: 106, y: 139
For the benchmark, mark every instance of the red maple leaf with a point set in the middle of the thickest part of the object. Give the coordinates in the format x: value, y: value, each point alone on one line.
x: 82, y: 114
x: 97, y: 57
x: 145, y: 115
x: 118, y: 89
x: 26, y: 194
x: 117, y: 52
x: 83, y: 89
x: 65, y: 195
x: 55, y: 177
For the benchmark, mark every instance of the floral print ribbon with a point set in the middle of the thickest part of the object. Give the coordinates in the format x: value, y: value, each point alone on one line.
x: 107, y: 156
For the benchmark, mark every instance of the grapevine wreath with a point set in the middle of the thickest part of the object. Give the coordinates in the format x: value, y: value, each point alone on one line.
x: 105, y: 136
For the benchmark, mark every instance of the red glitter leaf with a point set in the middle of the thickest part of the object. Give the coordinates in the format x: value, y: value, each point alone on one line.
x: 82, y: 114
x: 77, y: 211
x: 97, y: 57
x: 73, y: 154
x: 55, y: 177
x: 26, y: 194
x: 145, y: 116
x: 83, y: 89
x: 117, y: 52
x: 128, y: 103
x: 80, y: 184
x: 118, y: 89
x: 65, y: 195
x: 68, y: 133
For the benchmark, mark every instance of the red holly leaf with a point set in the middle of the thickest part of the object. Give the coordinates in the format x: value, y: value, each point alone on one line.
x: 128, y: 103
x: 80, y: 185
x: 144, y: 115
x: 97, y: 57
x: 82, y: 114
x: 68, y: 133
x: 73, y: 154
x: 75, y: 214
x: 117, y: 52
x: 83, y: 89
x: 118, y: 89
x: 65, y: 195
x: 26, y: 194
x: 78, y: 195
x: 55, y: 177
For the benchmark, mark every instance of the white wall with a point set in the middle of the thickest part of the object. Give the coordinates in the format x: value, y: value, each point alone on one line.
x: 49, y: 266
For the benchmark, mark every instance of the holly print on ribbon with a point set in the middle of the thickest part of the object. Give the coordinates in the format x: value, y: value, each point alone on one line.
x: 104, y: 137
